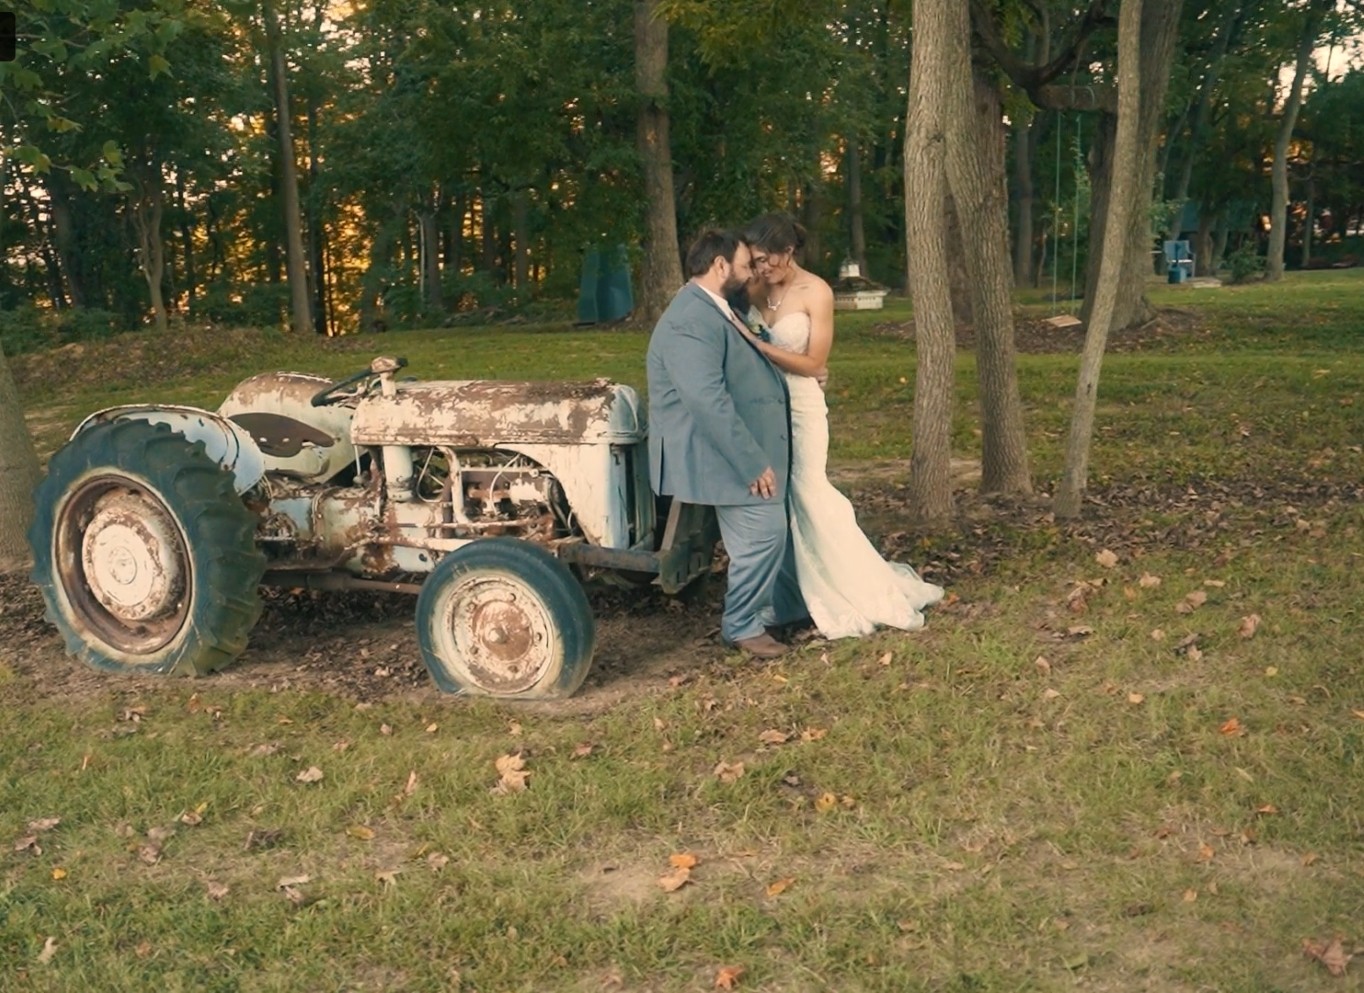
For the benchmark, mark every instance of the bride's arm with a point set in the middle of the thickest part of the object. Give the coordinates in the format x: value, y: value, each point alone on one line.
x: 815, y: 362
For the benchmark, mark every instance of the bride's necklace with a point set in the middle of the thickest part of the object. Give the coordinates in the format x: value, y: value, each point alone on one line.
x: 772, y: 304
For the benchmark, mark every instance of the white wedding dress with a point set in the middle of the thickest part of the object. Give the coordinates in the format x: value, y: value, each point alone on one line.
x: 848, y: 587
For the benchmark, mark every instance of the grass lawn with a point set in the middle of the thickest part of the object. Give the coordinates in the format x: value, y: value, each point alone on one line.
x: 1128, y: 754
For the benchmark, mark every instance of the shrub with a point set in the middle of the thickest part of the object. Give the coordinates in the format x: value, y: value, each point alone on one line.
x: 1245, y: 263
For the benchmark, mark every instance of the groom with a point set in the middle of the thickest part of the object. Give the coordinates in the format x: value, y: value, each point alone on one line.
x: 720, y: 435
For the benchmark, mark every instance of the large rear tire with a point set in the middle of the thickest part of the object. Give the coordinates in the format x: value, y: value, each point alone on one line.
x: 505, y: 618
x: 144, y: 552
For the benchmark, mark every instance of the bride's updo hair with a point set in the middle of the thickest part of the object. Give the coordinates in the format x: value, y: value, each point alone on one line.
x: 776, y: 232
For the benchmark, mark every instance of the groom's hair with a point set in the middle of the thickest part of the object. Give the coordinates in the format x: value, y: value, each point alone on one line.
x: 710, y: 244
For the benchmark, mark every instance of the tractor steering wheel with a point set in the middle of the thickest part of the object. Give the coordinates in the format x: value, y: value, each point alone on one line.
x: 332, y: 393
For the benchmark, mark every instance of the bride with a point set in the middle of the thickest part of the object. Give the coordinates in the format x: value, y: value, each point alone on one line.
x: 848, y: 588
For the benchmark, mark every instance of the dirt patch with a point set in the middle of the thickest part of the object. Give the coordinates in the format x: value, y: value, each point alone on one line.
x: 363, y: 646
x: 1168, y: 329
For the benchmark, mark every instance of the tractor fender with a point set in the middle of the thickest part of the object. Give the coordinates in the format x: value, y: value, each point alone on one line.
x: 227, y: 443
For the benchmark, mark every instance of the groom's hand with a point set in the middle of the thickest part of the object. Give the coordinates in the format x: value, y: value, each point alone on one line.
x: 765, y: 485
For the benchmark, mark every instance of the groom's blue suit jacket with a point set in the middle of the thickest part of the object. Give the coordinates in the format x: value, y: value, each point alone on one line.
x: 718, y: 410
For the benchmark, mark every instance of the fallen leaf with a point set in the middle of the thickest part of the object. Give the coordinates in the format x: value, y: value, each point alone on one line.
x: 260, y: 751
x: 1206, y: 852
x: 191, y: 818
x: 1079, y: 631
x: 727, y: 773
x: 1309, y: 859
x: 1192, y: 602
x: 43, y: 824
x: 49, y: 950
x: 1157, y: 635
x: 583, y: 751
x: 59, y: 873
x: 1148, y: 581
x: 215, y: 890
x: 1106, y: 559
x: 27, y: 843
x: 1042, y: 665
x: 385, y: 729
x: 1268, y: 808
x: 287, y: 881
x: 514, y: 729
x: 1190, y: 896
x: 411, y: 786
x: 1331, y: 954
x: 360, y: 832
x: 1273, y: 670
x: 1195, y: 654
x: 435, y: 861
x: 780, y: 886
x: 1249, y: 625
x: 432, y: 728
x: 1232, y: 728
x: 728, y: 976
x: 675, y: 880
x: 312, y: 774
x: 1135, y: 698
x: 1050, y: 694
x: 683, y: 860
x: 826, y: 802
x: 387, y: 877
x: 1216, y: 584
x: 774, y: 737
x: 813, y: 734
x: 150, y: 853
x: 1358, y: 713
x: 513, y: 773
x: 886, y: 659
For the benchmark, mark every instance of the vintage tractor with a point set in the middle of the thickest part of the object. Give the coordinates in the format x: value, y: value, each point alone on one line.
x: 156, y: 525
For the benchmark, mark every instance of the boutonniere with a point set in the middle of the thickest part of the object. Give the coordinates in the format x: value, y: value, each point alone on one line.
x: 755, y: 324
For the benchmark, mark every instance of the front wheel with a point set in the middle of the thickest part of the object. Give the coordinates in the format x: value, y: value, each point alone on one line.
x: 500, y: 617
x: 144, y: 553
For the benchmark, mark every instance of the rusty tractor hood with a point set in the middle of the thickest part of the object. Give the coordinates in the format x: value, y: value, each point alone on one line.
x: 486, y: 413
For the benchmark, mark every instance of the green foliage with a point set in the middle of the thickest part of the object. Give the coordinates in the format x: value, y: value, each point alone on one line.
x: 1245, y: 263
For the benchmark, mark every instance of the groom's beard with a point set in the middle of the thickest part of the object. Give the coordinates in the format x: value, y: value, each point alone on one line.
x: 732, y: 286
x: 738, y: 298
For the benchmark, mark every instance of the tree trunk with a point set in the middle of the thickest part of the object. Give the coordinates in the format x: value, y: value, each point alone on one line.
x: 930, y: 487
x: 958, y: 280
x: 521, y: 244
x: 186, y: 239
x: 151, y: 248
x: 1127, y: 171
x: 300, y: 306
x: 976, y: 176
x: 433, y: 299
x: 63, y: 230
x: 18, y: 476
x: 1159, y: 32
x: 372, y: 282
x: 1308, y: 223
x: 1278, y: 210
x: 1026, y: 194
x: 857, y: 231
x: 661, y: 272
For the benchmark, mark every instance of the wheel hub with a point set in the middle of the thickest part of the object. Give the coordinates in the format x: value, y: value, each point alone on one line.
x: 502, y: 634
x: 133, y: 558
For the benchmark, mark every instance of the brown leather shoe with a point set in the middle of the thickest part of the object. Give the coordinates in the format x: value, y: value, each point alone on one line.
x: 762, y: 646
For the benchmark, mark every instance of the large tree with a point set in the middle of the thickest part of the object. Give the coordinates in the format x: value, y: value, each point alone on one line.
x: 1127, y: 171
x: 939, y: 35
x: 1313, y: 15
x: 661, y: 272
